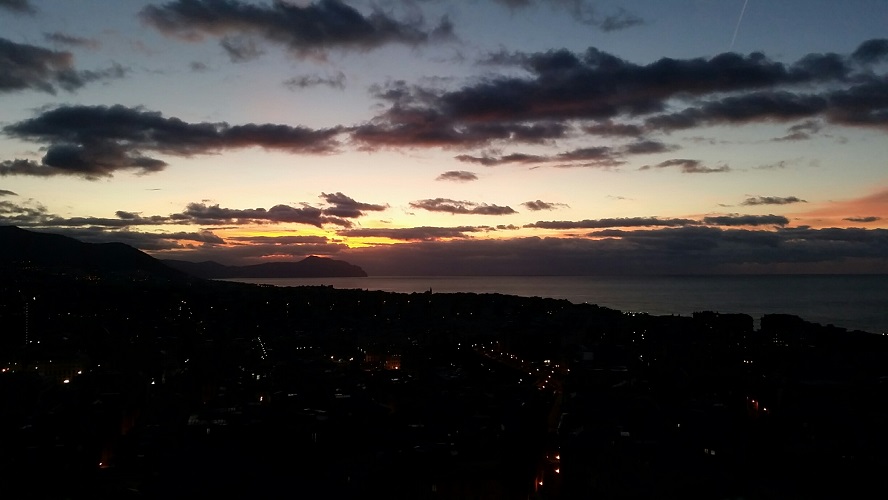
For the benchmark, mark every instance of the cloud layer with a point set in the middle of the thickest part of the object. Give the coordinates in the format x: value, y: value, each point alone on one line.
x: 311, y: 29
x: 97, y: 141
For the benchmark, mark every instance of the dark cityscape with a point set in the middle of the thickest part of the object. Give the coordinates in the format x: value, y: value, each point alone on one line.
x: 119, y: 382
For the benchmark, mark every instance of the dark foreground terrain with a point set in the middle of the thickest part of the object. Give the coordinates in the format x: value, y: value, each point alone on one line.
x: 133, y: 385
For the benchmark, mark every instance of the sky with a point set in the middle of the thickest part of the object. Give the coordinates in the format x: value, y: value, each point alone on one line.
x: 476, y: 137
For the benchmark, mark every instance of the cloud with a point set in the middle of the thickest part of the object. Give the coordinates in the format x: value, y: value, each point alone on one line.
x: 203, y: 214
x: 619, y: 20
x: 561, y: 93
x: 599, y: 156
x: 460, y: 207
x: 424, y: 233
x: 678, y: 250
x: 97, y: 141
x: 647, y: 147
x: 608, y: 128
x: 801, y: 131
x: 28, y: 167
x: 24, y: 66
x: 240, y: 48
x: 743, y: 109
x: 689, y: 166
x: 73, y: 41
x: 336, y: 81
x: 6, y: 192
x: 346, y: 207
x: 282, y: 240
x: 538, y: 205
x: 18, y: 6
x: 583, y: 11
x: 198, y: 66
x: 617, y: 222
x: 746, y: 220
x: 871, y: 51
x: 771, y: 200
x: 414, y: 128
x: 457, y: 176
x: 871, y: 218
x: 309, y: 30
x: 489, y: 161
x: 340, y: 209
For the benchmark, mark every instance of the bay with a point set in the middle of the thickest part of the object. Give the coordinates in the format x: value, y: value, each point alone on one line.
x: 847, y: 301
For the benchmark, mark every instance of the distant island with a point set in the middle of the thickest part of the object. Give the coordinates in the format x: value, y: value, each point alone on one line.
x: 310, y: 267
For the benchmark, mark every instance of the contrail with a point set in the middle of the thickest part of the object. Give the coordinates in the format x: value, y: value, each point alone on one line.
x: 737, y: 28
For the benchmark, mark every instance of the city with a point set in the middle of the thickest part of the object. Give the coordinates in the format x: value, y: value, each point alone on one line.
x: 140, y: 386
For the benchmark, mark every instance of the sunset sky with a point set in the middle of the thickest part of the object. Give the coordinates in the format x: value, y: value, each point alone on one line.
x: 426, y: 137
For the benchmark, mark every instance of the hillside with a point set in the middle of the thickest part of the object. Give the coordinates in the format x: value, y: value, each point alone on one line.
x: 22, y: 250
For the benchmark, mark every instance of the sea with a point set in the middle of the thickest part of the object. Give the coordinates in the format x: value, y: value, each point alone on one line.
x: 854, y: 302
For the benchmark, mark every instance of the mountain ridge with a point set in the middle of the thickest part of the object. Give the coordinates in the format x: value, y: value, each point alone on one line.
x: 22, y: 249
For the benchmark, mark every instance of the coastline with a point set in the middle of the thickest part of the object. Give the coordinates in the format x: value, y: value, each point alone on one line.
x: 853, y: 302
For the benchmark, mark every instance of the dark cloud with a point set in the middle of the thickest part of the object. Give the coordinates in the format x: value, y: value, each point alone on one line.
x: 6, y: 192
x: 679, y: 250
x: 801, y: 131
x: 617, y: 222
x: 601, y: 94
x: 457, y: 176
x: 610, y: 129
x: 411, y: 233
x: 600, y: 156
x: 460, y: 207
x: 281, y: 240
x: 73, y: 41
x: 304, y: 30
x: 772, y: 200
x: 647, y: 147
x: 346, y: 207
x: 689, y: 166
x: 336, y: 81
x: 743, y: 109
x: 746, y: 220
x: 538, y: 205
x: 203, y: 214
x: 198, y: 66
x: 24, y: 66
x: 340, y: 210
x: 202, y: 237
x: 871, y: 51
x: 863, y: 105
x: 871, y: 218
x: 490, y: 161
x: 28, y: 167
x: 18, y: 6
x: 241, y: 48
x: 21, y: 214
x: 96, y: 141
x: 414, y: 128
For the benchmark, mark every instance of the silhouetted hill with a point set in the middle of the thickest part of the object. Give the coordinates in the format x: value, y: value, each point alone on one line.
x: 28, y: 250
x: 310, y: 267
